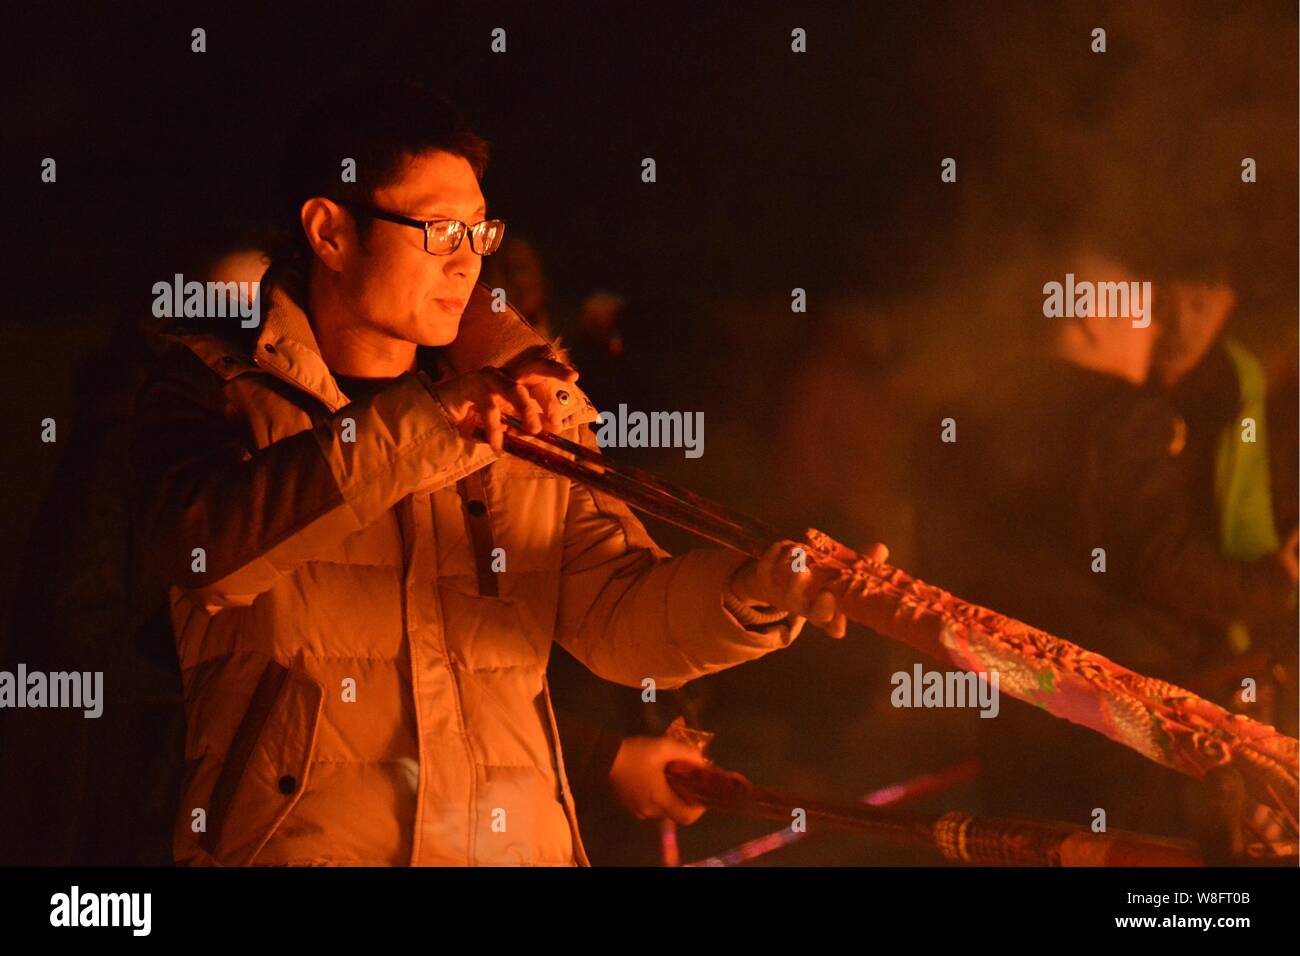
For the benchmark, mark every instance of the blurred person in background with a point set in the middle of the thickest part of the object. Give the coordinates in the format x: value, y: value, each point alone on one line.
x: 103, y: 792
x: 589, y: 333
x: 1055, y: 456
x: 1220, y: 391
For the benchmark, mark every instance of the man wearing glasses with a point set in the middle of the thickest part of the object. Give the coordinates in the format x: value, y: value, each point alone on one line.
x: 364, y: 591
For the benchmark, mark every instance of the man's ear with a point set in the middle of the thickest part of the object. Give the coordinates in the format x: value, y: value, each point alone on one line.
x: 329, y: 229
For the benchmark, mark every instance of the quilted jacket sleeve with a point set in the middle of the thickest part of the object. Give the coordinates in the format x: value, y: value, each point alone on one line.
x: 629, y: 611
x: 259, y: 512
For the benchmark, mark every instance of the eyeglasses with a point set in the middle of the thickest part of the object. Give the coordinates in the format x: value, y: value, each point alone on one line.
x: 442, y: 237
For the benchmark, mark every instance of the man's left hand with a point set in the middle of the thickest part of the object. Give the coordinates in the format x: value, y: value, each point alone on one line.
x: 773, y: 580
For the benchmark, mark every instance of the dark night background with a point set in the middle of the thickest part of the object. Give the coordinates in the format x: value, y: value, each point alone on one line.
x: 775, y: 171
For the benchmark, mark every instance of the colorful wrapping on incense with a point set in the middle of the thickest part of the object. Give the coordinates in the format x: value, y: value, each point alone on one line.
x: 1165, y: 723
x: 1254, y: 766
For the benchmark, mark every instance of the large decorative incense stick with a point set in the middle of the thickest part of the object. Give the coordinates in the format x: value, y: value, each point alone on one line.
x: 1162, y: 722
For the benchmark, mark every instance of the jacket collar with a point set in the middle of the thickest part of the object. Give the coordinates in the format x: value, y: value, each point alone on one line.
x: 286, y: 345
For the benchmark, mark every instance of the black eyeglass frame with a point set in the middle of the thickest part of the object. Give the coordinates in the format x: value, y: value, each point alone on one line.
x: 427, y: 225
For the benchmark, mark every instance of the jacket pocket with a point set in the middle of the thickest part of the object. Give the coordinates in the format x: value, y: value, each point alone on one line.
x: 266, y: 768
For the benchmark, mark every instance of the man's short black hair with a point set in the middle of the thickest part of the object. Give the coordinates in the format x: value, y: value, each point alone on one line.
x: 379, y: 125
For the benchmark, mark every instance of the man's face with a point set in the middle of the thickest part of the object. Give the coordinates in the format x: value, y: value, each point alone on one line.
x: 391, y: 284
x: 1128, y: 346
x: 1190, y: 320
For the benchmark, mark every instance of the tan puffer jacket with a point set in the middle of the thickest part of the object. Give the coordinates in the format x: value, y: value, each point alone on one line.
x: 362, y: 687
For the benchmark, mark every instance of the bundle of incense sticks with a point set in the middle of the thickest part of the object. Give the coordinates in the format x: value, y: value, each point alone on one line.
x: 961, y: 837
x: 925, y: 785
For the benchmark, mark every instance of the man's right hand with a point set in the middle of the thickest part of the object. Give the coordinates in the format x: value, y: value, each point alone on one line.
x: 638, y: 781
x: 525, y: 388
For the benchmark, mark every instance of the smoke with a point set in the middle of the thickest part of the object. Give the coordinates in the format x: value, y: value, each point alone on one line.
x: 1135, y: 153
